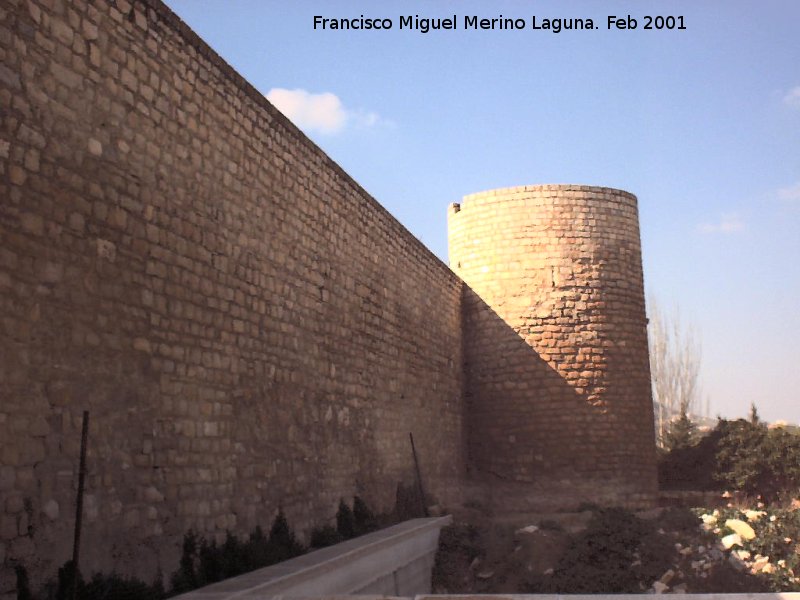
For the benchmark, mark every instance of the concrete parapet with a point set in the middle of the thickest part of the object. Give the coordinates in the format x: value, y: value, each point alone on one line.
x: 397, y: 560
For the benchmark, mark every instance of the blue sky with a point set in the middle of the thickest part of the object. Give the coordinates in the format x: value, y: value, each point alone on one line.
x: 703, y: 125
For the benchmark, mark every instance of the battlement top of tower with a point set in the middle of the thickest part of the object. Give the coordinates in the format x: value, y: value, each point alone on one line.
x: 565, y: 190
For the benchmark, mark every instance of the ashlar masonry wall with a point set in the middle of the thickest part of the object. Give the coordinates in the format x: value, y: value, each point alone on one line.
x: 555, y: 334
x: 246, y: 325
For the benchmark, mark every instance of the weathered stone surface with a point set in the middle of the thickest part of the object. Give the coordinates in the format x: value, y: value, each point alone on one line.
x: 556, y: 343
x: 51, y: 509
x: 182, y: 262
x: 14, y: 504
x: 95, y: 147
x: 249, y: 329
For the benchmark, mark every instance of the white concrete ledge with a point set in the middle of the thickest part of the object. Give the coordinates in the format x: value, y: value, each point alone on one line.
x: 770, y: 596
x: 397, y: 561
x: 503, y: 596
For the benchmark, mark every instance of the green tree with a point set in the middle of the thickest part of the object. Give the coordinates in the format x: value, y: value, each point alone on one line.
x: 682, y: 433
x: 363, y: 517
x: 345, y: 522
x: 754, y: 418
x: 282, y: 542
x: 758, y: 460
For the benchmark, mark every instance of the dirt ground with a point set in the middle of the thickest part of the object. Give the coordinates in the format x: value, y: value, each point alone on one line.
x: 662, y: 550
x: 484, y: 555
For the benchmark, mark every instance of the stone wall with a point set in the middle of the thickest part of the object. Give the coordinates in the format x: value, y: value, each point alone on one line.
x: 558, y: 380
x: 246, y: 325
x: 249, y: 329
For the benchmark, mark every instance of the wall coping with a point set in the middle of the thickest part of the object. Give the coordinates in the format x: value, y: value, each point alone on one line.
x: 499, y: 193
x: 277, y: 119
x: 751, y: 596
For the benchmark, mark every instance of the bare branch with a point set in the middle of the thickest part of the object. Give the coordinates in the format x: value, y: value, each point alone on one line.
x: 675, y: 355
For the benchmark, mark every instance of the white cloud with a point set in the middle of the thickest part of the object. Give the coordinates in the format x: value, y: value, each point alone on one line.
x: 322, y: 113
x: 792, y: 98
x: 315, y: 112
x: 729, y: 223
x: 790, y: 194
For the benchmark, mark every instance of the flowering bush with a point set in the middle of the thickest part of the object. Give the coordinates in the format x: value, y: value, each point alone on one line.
x: 761, y: 541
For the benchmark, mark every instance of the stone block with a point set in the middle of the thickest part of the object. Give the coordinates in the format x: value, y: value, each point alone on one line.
x: 17, y: 174
x: 14, y: 504
x: 95, y: 147
x: 8, y: 527
x: 22, y: 548
x: 51, y: 509
x: 65, y: 76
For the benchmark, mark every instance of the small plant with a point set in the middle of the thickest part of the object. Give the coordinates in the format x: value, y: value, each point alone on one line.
x: 203, y: 562
x: 408, y: 504
x: 257, y: 549
x: 364, y: 519
x: 345, y: 522
x: 325, y: 535
x: 23, y: 583
x: 682, y: 433
x: 99, y: 587
x: 66, y: 580
x: 691, y: 467
x: 116, y: 587
x: 282, y: 541
x: 185, y: 578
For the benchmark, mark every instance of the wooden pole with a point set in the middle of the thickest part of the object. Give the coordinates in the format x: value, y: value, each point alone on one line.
x: 76, y: 544
x: 419, y: 476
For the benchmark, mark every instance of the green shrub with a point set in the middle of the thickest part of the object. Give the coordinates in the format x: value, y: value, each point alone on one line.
x: 345, y: 522
x: 408, y: 504
x: 776, y: 533
x: 23, y: 583
x: 364, y: 519
x: 325, y: 535
x: 682, y: 433
x: 185, y: 578
x: 691, y: 467
x: 283, y: 544
x: 116, y: 587
x: 99, y: 587
x: 65, y: 581
x: 203, y: 562
x: 758, y: 460
x: 744, y: 455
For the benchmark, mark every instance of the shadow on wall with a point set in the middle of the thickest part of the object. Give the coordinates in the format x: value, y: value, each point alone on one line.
x: 541, y: 441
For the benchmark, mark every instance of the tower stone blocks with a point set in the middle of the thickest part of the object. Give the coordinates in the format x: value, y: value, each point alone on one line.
x: 555, y: 342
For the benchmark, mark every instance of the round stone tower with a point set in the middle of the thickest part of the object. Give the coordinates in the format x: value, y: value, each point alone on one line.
x: 557, y: 370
